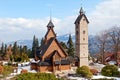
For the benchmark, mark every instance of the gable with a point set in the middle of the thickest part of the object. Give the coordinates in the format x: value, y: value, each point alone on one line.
x: 56, y: 55
x: 50, y: 33
x: 54, y: 46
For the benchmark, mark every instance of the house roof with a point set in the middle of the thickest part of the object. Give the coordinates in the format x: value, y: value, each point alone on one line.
x: 80, y: 17
x: 112, y: 57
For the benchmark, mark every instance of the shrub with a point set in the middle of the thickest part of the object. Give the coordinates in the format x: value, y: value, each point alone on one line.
x: 84, y: 71
x: 7, y: 70
x: 35, y: 76
x: 1, y: 69
x: 94, y: 71
x: 110, y: 70
x: 24, y: 71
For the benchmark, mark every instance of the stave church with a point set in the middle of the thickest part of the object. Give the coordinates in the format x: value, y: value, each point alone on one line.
x: 50, y: 56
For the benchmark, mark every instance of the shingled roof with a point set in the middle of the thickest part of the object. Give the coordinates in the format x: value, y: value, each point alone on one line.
x: 44, y: 63
x: 80, y: 17
x: 50, y: 24
x: 46, y: 46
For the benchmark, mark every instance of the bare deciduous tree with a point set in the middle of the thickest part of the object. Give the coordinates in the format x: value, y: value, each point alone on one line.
x: 102, y: 44
x: 114, y: 36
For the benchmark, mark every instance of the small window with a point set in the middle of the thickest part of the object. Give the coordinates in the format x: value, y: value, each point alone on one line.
x: 83, y: 32
x: 84, y: 19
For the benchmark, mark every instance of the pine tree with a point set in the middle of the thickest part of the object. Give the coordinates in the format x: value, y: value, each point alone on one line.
x: 2, y: 49
x: 34, y: 46
x: 5, y: 48
x: 36, y: 43
x: 25, y: 49
x: 42, y: 41
x: 15, y: 49
x: 71, y: 48
x: 63, y: 45
x: 20, y: 49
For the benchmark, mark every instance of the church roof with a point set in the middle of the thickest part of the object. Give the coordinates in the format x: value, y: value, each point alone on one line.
x: 44, y: 63
x: 50, y: 24
x: 45, y: 46
x: 48, y: 62
x: 80, y: 17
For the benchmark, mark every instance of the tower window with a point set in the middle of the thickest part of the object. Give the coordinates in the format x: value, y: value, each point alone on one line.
x: 83, y: 32
x: 83, y: 38
x: 84, y: 19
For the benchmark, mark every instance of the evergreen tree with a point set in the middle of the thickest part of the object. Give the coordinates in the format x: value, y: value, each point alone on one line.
x: 15, y: 49
x: 5, y: 48
x: 63, y: 45
x: 2, y: 49
x: 25, y: 49
x: 71, y: 48
x: 42, y: 41
x: 36, y: 43
x: 34, y: 46
x: 20, y: 49
x: 29, y: 52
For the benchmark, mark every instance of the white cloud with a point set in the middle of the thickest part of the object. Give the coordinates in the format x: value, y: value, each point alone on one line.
x: 22, y: 28
x: 106, y: 15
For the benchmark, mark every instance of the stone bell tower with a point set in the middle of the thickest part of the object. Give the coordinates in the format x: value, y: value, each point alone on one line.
x: 81, y: 33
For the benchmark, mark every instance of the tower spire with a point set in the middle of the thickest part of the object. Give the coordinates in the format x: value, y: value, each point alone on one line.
x: 50, y: 24
x: 81, y: 11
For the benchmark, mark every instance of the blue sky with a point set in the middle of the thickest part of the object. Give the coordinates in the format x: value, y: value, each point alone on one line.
x: 41, y: 8
x: 21, y: 19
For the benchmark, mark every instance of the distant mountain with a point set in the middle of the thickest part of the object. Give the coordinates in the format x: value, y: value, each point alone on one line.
x: 92, y: 47
x: 65, y: 37
x: 27, y: 43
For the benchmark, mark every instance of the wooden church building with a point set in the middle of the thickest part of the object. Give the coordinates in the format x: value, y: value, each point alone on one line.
x: 50, y: 56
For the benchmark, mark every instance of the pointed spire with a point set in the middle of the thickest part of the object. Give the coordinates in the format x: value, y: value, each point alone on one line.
x: 81, y: 11
x: 50, y: 24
